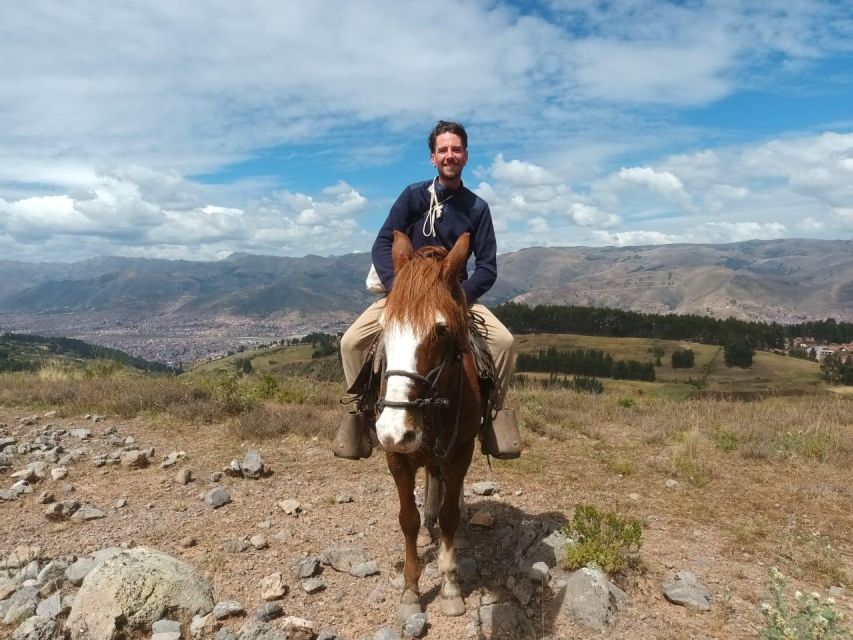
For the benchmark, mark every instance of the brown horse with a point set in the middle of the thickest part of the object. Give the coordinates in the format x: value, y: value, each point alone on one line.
x: 430, y: 405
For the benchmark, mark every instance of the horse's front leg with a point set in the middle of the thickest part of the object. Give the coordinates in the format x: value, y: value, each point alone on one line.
x: 452, y: 603
x: 410, y: 522
x: 433, y: 490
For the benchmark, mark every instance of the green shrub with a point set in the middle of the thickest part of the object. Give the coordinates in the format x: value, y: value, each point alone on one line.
x: 725, y: 440
x: 683, y: 359
x: 809, y: 617
x: 627, y: 402
x: 604, y: 539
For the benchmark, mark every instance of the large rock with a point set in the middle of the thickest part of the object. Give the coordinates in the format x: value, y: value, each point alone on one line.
x: 131, y: 590
x: 684, y: 589
x: 591, y: 598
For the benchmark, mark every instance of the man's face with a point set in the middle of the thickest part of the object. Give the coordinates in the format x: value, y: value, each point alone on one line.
x: 449, y: 156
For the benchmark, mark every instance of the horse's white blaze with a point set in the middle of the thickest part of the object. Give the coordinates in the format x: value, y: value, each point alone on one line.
x: 401, y: 343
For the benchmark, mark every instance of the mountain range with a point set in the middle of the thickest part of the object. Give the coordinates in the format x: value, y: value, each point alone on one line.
x: 775, y: 280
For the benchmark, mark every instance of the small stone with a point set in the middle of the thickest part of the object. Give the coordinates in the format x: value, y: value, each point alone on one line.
x: 226, y: 609
x: 234, y: 469
x: 184, y: 476
x: 634, y: 496
x: 379, y: 594
x: 258, y: 541
x: 273, y: 587
x: 269, y: 611
x: 483, y: 518
x: 121, y: 503
x: 685, y: 590
x: 252, y: 465
x: 306, y: 567
x: 188, y: 542
x: 134, y: 459
x: 415, y: 626
x: 313, y: 585
x: 300, y: 627
x: 79, y: 570
x: 836, y: 591
x: 539, y: 572
x: 21, y: 556
x: 237, y: 545
x: 670, y: 483
x: 485, y: 488
x: 343, y: 499
x: 290, y: 507
x: 46, y: 497
x: 201, y: 624
x: 364, y: 569
x: 129, y: 440
x: 166, y: 626
x: 217, y: 497
x: 80, y: 434
x: 386, y: 633
x: 216, y: 476
x: 87, y: 512
x: 59, y: 473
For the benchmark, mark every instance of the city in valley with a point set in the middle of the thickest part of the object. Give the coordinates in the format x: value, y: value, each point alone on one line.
x: 175, y: 340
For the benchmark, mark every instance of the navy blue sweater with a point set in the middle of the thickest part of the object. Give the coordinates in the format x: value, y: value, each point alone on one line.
x: 464, y: 211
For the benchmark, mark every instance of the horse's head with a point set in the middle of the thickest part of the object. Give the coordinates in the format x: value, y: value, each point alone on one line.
x: 424, y: 323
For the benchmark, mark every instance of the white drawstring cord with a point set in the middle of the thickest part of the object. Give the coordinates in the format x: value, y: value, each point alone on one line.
x: 435, y: 210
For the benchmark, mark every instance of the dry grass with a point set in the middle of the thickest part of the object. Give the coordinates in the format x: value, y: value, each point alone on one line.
x: 203, y: 400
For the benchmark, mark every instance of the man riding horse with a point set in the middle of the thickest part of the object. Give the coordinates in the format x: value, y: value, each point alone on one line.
x: 436, y: 213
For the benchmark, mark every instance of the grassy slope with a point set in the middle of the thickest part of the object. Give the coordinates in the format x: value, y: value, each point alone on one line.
x: 769, y: 373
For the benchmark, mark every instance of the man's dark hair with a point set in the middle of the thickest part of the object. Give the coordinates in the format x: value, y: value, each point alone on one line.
x: 442, y: 126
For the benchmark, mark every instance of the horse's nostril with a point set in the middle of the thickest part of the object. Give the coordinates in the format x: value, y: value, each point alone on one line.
x: 409, y: 437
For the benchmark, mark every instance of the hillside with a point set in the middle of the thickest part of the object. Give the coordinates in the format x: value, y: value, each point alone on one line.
x: 20, y: 352
x: 773, y: 280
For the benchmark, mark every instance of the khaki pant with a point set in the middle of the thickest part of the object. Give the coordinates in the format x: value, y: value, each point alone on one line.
x: 357, y: 339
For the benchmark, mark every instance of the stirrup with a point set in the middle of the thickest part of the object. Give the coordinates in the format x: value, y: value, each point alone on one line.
x: 501, y: 438
x: 352, y: 441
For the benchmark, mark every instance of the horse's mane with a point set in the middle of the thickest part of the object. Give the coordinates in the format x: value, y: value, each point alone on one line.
x: 420, y: 290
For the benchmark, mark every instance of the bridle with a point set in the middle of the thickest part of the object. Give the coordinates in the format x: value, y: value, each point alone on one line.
x: 431, y: 403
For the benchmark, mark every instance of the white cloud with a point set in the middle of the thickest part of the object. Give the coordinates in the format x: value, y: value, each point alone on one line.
x: 522, y: 174
x: 663, y: 182
x: 633, y: 238
x: 585, y: 215
x: 739, y: 231
x: 136, y: 212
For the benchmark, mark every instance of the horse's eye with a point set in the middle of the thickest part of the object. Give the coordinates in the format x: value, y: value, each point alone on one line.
x: 441, y: 330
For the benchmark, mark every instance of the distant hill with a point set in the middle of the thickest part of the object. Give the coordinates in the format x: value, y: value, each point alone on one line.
x: 24, y: 352
x: 773, y: 280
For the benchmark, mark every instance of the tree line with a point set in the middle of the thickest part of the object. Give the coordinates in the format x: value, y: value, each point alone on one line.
x: 601, y: 321
x: 585, y: 362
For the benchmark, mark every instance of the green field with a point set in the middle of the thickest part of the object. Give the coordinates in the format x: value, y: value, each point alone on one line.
x: 266, y: 360
x: 770, y: 374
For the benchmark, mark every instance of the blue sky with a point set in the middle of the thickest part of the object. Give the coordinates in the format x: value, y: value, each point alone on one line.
x: 179, y: 130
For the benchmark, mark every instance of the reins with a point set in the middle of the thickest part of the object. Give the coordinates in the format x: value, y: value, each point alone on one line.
x: 432, y: 402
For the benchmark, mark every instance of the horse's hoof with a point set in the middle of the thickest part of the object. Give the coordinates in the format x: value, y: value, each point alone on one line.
x: 453, y: 606
x: 406, y: 610
x: 424, y: 537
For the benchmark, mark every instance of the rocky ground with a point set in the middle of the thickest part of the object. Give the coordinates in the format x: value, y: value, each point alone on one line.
x: 296, y: 527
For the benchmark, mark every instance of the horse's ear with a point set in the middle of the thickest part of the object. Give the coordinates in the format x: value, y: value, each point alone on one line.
x: 455, y: 261
x: 401, y: 250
